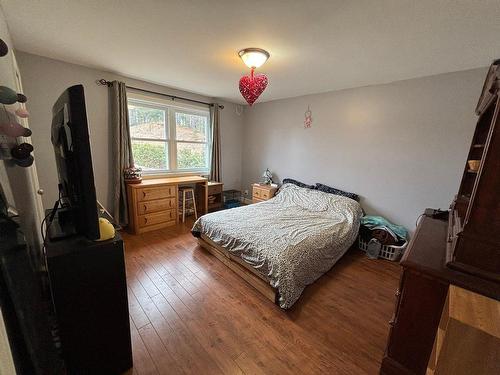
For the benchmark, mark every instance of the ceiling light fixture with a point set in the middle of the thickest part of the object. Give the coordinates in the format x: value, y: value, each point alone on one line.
x: 253, y: 85
x: 254, y: 57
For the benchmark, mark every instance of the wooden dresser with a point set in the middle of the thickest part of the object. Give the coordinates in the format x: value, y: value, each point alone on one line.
x: 419, y: 301
x: 153, y: 203
x: 261, y: 193
x: 456, y: 249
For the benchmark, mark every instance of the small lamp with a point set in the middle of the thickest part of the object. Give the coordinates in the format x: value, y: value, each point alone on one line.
x: 267, y: 177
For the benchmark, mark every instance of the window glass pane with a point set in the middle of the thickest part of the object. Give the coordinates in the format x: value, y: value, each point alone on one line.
x: 150, y: 155
x: 191, y: 155
x: 191, y: 127
x: 146, y: 122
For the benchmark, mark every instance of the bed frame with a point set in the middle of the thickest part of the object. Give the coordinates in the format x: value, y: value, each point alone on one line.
x: 242, y: 269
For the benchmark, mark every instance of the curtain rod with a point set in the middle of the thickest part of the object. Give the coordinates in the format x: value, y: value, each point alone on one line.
x: 104, y: 82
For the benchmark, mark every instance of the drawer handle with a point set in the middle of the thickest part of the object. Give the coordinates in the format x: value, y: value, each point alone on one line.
x: 144, y: 194
x: 145, y: 208
x: 398, y: 293
x: 393, y: 320
x: 145, y: 220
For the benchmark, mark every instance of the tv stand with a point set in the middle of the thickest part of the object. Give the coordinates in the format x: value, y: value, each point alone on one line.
x: 89, y: 292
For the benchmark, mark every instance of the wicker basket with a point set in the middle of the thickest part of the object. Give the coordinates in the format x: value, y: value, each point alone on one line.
x: 389, y: 252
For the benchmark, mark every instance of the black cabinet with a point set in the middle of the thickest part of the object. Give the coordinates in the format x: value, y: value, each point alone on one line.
x: 89, y: 292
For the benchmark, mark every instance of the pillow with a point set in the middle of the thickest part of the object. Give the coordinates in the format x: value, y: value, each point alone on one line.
x: 298, y: 183
x: 331, y: 190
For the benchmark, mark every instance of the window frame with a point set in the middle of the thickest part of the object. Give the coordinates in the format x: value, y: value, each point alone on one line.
x: 170, y: 109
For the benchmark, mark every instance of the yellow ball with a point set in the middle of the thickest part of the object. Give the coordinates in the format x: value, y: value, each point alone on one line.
x: 106, y: 229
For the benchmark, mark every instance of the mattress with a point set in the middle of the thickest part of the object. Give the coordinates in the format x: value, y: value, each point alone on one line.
x: 291, y: 239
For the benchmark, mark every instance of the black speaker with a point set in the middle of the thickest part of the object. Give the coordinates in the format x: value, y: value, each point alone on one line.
x: 89, y: 291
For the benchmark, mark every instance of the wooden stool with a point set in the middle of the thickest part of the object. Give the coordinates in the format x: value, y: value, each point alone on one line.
x: 186, y: 190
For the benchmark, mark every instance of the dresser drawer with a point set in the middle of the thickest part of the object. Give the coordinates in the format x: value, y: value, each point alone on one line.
x: 156, y: 218
x: 146, y: 207
x: 257, y: 193
x: 159, y: 192
x: 263, y: 194
x: 214, y: 189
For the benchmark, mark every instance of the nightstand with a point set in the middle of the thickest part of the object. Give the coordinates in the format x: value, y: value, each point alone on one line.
x: 261, y: 193
x: 215, y: 201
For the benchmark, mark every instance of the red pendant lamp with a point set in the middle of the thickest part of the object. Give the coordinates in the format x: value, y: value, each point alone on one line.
x: 252, y: 86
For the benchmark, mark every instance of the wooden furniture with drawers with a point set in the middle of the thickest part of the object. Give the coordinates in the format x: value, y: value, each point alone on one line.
x: 261, y: 193
x: 213, y: 189
x: 153, y: 203
x: 425, y: 280
x: 461, y: 250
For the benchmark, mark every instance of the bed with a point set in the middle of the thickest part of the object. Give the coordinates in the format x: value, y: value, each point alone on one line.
x: 284, y: 244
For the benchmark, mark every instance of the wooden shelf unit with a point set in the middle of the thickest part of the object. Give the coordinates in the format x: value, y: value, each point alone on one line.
x: 463, y: 251
x: 474, y: 226
x: 213, y: 189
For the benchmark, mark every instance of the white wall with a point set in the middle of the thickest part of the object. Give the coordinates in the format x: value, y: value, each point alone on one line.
x: 401, y: 146
x: 45, y: 79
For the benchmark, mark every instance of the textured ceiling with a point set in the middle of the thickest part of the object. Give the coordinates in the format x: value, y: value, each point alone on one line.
x: 315, y: 46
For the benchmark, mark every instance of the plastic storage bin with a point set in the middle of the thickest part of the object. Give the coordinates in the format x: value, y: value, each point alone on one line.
x: 389, y: 252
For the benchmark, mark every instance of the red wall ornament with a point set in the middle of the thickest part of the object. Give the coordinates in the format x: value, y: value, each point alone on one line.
x: 252, y: 86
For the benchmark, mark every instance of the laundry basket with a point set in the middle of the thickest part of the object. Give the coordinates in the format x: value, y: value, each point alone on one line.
x: 389, y: 252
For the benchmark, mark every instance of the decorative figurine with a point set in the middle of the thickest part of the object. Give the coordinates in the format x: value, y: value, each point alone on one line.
x: 308, y: 118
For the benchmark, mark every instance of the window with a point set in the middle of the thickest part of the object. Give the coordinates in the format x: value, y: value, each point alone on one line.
x: 168, y: 138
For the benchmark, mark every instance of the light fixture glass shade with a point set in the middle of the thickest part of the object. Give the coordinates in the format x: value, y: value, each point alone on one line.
x: 253, y: 57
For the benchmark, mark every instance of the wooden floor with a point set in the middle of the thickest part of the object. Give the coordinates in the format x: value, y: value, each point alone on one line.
x: 190, y: 314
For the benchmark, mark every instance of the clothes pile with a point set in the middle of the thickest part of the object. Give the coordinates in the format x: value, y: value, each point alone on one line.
x: 377, y: 231
x: 383, y: 230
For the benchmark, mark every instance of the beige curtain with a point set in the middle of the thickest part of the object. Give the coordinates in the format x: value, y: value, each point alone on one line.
x: 215, y: 165
x: 121, y: 148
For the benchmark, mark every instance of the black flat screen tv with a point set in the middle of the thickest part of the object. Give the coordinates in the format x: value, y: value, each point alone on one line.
x: 70, y: 138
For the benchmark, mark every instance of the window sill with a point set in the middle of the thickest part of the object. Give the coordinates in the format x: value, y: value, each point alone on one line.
x: 151, y: 176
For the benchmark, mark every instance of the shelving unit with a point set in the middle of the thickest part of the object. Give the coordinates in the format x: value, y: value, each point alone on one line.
x: 214, y: 194
x: 462, y: 252
x: 474, y: 227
